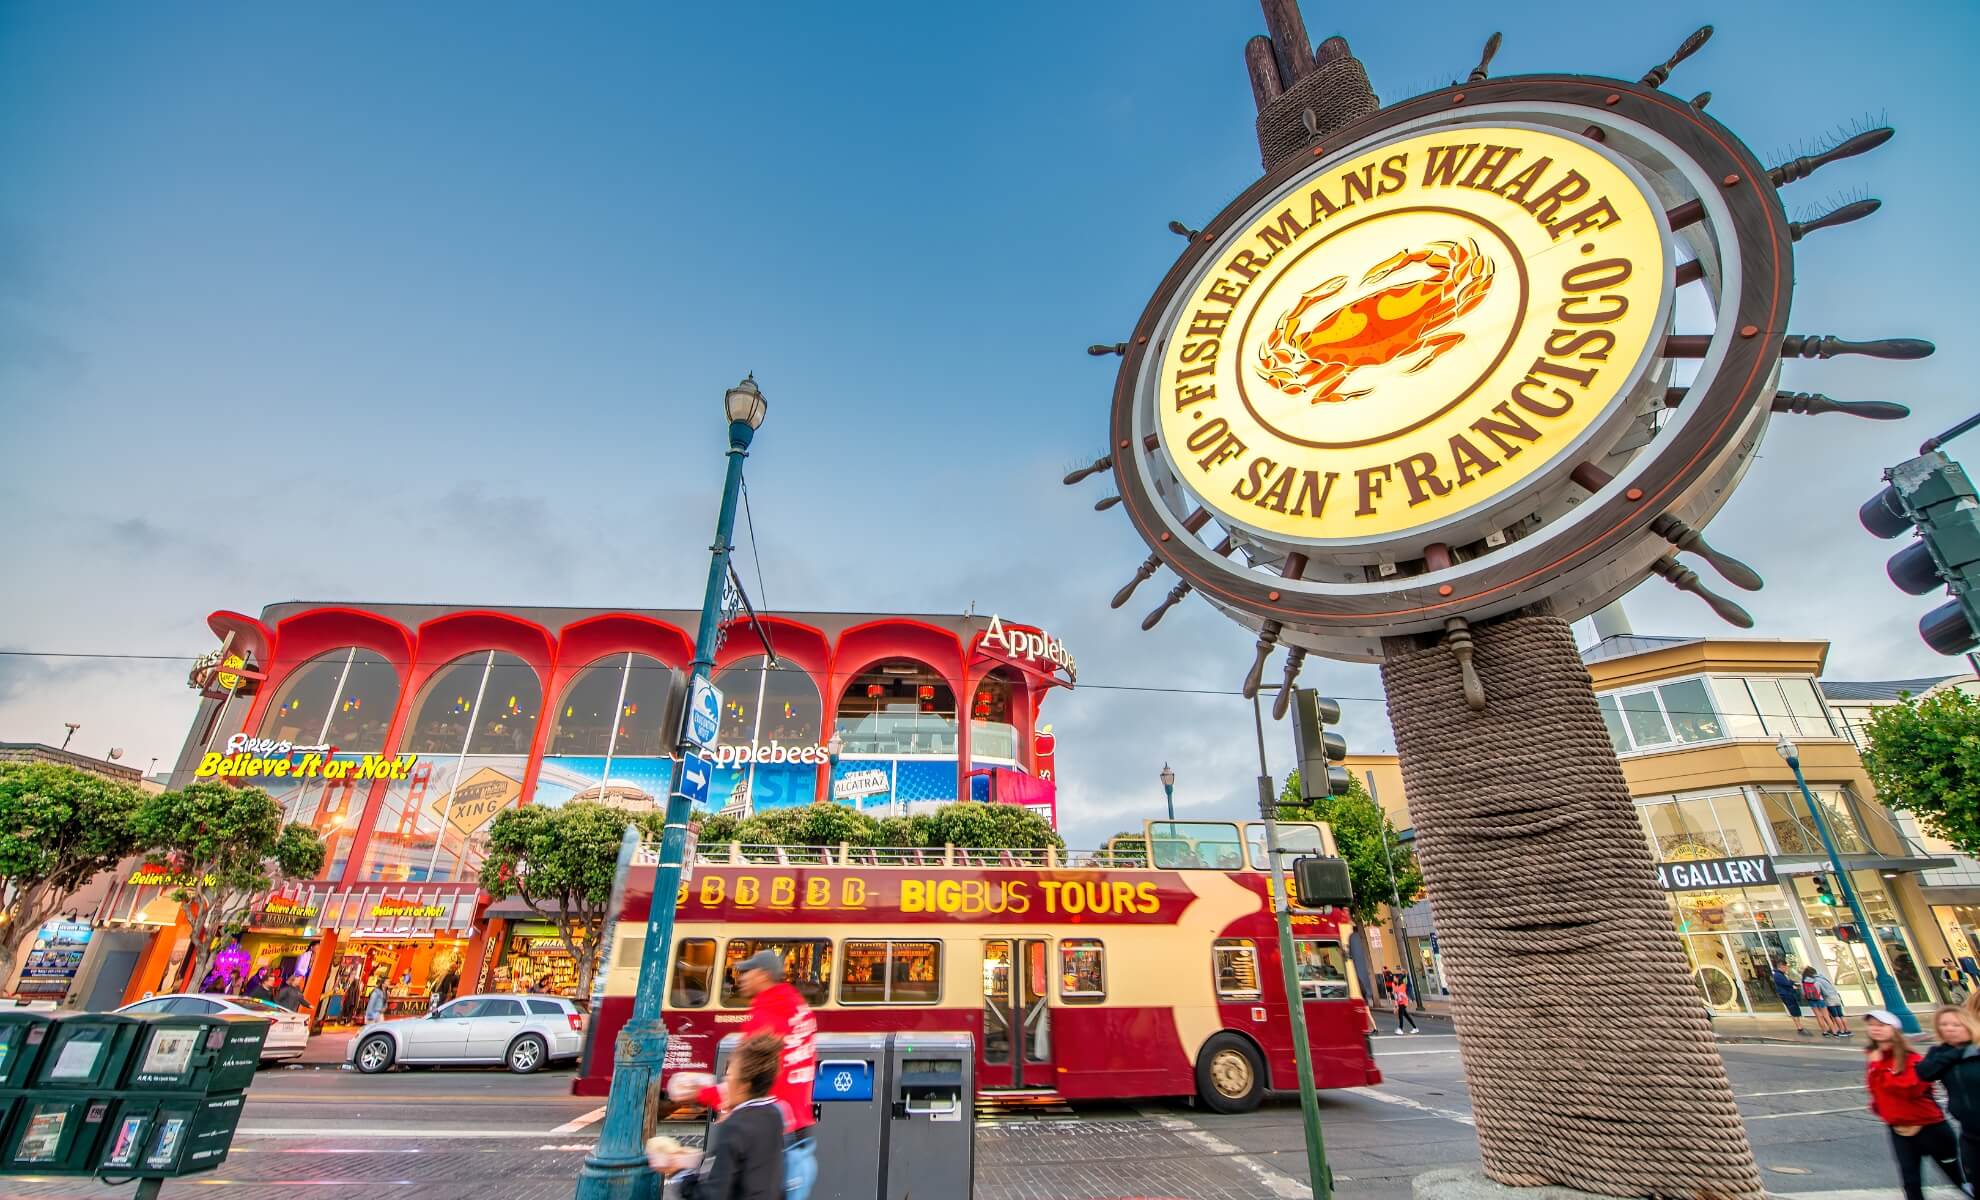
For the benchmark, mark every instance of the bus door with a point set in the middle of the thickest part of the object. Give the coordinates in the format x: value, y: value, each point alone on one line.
x: 1016, y: 1050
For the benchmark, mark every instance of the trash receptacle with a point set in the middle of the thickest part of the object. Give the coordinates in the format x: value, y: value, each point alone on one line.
x: 849, y: 1108
x: 931, y: 1119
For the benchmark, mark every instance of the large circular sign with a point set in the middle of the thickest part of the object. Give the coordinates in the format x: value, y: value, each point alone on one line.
x: 1390, y: 341
x: 1438, y: 368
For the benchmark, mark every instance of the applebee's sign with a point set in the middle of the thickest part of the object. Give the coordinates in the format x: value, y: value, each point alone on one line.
x: 1030, y: 645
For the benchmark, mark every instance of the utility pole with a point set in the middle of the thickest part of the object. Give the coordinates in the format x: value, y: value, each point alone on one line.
x: 1395, y: 899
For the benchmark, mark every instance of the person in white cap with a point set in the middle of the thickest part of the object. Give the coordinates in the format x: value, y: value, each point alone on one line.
x: 1904, y: 1102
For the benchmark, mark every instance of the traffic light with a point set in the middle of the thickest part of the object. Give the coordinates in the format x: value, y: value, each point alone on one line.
x: 1317, y: 748
x: 1845, y: 933
x: 1321, y: 883
x: 1823, y: 892
x: 1932, y: 493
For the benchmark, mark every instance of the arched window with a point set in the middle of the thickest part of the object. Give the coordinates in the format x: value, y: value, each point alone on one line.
x: 993, y: 709
x: 767, y: 705
x: 615, y: 707
x: 898, y: 706
x: 482, y: 703
x: 472, y: 730
x: 342, y: 698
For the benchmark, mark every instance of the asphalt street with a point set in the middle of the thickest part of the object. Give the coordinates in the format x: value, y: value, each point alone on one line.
x: 429, y: 1135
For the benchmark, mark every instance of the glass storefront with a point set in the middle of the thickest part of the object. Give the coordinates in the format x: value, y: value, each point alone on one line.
x: 414, y: 970
x: 344, y: 699
x: 1732, y: 936
x: 533, y: 958
x: 899, y: 706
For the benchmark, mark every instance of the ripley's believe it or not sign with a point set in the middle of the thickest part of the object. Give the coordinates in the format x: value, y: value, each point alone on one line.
x: 1412, y: 333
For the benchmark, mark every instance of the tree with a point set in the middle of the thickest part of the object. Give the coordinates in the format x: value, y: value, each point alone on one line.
x: 58, y: 828
x: 715, y: 829
x: 989, y: 826
x: 809, y: 825
x: 563, y: 862
x: 1924, y: 757
x: 1360, y: 827
x: 226, y: 845
x: 972, y: 825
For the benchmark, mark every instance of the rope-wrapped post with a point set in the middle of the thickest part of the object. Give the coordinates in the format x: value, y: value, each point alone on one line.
x: 1546, y: 903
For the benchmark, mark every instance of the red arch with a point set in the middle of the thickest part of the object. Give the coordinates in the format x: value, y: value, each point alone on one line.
x: 583, y: 643
x: 903, y: 637
x: 801, y: 644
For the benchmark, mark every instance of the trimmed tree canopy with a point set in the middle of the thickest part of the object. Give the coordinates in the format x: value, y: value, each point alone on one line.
x: 1924, y: 757
x: 1359, y: 827
x: 58, y: 828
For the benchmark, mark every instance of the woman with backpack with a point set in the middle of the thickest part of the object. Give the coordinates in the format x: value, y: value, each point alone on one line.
x: 1955, y: 1062
x: 1903, y: 1101
x: 1789, y: 993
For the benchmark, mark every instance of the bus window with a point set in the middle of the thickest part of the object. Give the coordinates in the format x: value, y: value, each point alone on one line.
x: 892, y: 973
x: 1082, y: 970
x: 694, y: 970
x: 1296, y: 836
x: 1235, y: 961
x: 1186, y: 845
x: 1322, y: 970
x: 807, y: 967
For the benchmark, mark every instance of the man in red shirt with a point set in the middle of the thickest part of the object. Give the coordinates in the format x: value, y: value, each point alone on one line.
x: 774, y: 1008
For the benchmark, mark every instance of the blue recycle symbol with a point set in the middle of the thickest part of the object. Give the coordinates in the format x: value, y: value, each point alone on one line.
x: 842, y: 1082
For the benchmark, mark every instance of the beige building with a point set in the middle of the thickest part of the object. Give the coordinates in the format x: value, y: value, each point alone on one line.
x: 1694, y: 722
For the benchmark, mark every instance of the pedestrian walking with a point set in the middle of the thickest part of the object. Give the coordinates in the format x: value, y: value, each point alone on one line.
x: 1955, y: 1063
x: 745, y: 1155
x: 290, y: 994
x: 374, y: 1004
x: 775, y: 1008
x: 1399, y: 988
x: 1819, y: 993
x: 1790, y: 995
x: 1969, y: 968
x: 1904, y: 1102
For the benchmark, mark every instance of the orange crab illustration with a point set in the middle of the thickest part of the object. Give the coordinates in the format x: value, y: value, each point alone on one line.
x: 1315, y: 361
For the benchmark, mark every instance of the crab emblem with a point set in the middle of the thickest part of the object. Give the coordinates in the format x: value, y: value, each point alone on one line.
x: 1315, y: 360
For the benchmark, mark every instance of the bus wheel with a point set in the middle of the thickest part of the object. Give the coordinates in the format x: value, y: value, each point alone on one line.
x: 1230, y: 1077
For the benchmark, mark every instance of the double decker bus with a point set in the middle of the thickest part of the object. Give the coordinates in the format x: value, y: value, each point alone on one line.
x: 1147, y: 969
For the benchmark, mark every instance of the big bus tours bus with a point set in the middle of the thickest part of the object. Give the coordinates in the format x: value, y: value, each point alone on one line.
x: 1148, y: 969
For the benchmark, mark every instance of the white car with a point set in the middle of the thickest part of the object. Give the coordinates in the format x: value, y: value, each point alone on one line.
x: 288, y: 1031
x: 519, y: 1032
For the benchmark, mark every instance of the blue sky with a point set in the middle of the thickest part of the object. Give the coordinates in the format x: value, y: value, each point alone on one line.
x: 437, y: 303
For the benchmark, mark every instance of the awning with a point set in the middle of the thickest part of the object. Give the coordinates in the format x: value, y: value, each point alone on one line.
x: 1803, y: 864
x: 515, y: 908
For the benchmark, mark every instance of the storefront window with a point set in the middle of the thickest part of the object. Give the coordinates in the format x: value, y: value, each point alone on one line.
x: 1794, y: 829
x: 535, y: 959
x: 583, y: 723
x: 474, y: 724
x: 1690, y: 710
x: 899, y: 706
x: 993, y: 729
x: 418, y: 974
x: 1735, y: 704
x: 342, y: 699
x: 1643, y: 719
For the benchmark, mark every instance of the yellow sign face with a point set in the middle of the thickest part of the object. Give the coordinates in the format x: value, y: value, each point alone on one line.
x: 1412, y: 333
x: 480, y: 796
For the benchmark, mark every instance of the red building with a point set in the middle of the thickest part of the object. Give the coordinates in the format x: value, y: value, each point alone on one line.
x: 428, y: 720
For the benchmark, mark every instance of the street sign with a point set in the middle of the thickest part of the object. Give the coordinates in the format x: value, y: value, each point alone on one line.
x: 704, y: 714
x: 695, y: 774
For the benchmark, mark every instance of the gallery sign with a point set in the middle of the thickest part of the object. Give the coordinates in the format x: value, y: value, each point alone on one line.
x: 1751, y: 870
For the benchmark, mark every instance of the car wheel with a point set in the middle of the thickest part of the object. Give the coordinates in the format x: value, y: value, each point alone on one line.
x: 526, y: 1054
x: 375, y: 1054
x: 1230, y: 1077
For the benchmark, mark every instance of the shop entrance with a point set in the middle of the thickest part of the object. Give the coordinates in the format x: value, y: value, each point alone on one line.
x: 1016, y: 1051
x: 414, y: 971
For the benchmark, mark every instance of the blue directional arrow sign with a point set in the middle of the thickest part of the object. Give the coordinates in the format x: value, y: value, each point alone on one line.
x: 695, y: 774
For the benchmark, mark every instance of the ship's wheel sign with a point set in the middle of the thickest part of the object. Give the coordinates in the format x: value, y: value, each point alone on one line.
x: 1434, y: 369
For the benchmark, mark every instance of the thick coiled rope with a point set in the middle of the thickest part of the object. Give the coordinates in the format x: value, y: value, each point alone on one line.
x: 1588, y: 1053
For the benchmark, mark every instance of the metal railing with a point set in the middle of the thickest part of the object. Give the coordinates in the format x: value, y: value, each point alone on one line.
x: 726, y: 854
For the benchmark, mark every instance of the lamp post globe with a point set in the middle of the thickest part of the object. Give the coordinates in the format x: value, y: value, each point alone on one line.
x: 744, y: 403
x: 1787, y: 749
x: 1168, y: 778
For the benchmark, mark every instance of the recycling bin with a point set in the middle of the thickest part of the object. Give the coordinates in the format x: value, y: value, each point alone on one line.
x: 931, y: 1116
x: 848, y: 1105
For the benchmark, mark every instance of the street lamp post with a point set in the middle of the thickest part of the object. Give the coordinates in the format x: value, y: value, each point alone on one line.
x: 1893, y: 998
x: 71, y: 726
x: 616, y: 1169
x: 1169, y: 788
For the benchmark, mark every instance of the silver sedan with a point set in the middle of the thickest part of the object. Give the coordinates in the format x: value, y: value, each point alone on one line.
x: 519, y: 1032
